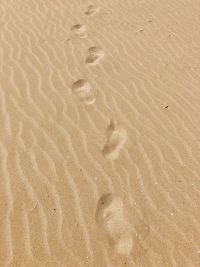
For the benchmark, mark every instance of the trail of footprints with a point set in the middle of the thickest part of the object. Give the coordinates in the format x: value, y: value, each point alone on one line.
x: 109, y: 214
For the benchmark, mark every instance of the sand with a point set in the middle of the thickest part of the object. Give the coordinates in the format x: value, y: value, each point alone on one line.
x: 100, y: 133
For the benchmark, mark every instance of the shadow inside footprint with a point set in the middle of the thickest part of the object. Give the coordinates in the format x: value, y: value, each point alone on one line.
x: 92, y: 10
x: 83, y: 90
x: 116, y: 138
x: 79, y: 30
x: 95, y: 54
x: 110, y: 217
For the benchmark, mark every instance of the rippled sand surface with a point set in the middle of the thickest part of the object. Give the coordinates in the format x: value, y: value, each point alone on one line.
x: 100, y: 133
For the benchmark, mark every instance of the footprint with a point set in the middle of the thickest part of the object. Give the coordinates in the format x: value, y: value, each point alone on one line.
x: 79, y: 30
x: 95, y: 54
x: 110, y: 217
x: 116, y: 138
x: 92, y: 10
x: 83, y: 90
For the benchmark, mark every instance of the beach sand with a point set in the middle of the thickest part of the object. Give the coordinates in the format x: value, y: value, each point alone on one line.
x: 100, y: 133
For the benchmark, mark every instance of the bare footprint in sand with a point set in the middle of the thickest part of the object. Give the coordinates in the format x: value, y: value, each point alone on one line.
x: 110, y: 217
x: 83, y: 90
x: 116, y: 138
x: 92, y: 10
x: 95, y: 54
x: 79, y: 30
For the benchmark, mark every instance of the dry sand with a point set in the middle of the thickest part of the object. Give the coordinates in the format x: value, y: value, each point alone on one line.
x: 100, y: 133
